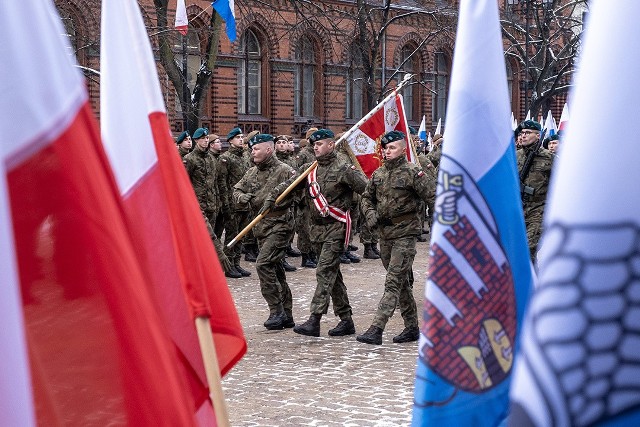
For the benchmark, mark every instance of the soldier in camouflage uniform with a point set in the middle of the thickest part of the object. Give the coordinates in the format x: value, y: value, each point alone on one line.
x: 184, y: 143
x: 215, y: 150
x: 305, y: 156
x: 200, y: 166
x: 392, y: 200
x: 287, y: 156
x: 273, y: 233
x: 535, y: 184
x: 333, y: 188
x: 233, y: 166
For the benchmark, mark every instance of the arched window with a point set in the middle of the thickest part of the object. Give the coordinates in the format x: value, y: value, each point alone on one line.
x: 441, y: 85
x: 410, y: 61
x: 355, y: 84
x: 304, y: 79
x: 250, y: 75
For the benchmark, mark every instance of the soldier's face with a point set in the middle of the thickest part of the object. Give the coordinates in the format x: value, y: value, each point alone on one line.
x: 290, y: 146
x: 186, y: 143
x: 553, y: 146
x: 236, y: 141
x: 203, y: 143
x: 528, y: 137
x: 395, y: 149
x: 322, y: 147
x: 261, y: 152
x: 216, y: 145
x: 281, y: 145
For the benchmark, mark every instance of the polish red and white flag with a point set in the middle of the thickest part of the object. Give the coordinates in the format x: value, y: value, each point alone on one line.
x: 365, y: 141
x: 98, y: 350
x: 564, y: 118
x: 182, y: 22
x: 160, y: 205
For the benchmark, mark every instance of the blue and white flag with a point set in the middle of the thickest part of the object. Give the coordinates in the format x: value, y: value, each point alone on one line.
x: 479, y: 274
x: 226, y: 9
x: 422, y: 132
x: 579, y: 361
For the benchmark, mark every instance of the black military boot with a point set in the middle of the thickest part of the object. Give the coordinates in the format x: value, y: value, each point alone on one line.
x: 252, y: 253
x: 313, y: 257
x: 372, y: 336
x: 289, y: 323
x: 288, y: 267
x: 307, y: 262
x: 369, y: 253
x: 311, y: 327
x: 352, y: 257
x: 344, y: 327
x: 408, y: 335
x: 352, y: 247
x: 344, y: 259
x: 374, y: 248
x: 232, y: 273
x: 293, y: 252
x: 242, y: 271
x: 276, y: 321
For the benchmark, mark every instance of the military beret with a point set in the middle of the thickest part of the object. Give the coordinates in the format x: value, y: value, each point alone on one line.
x: 233, y: 133
x: 531, y: 124
x: 554, y: 137
x: 259, y: 138
x: 320, y: 134
x: 182, y: 137
x: 309, y: 132
x: 251, y: 134
x: 199, y: 133
x: 412, y: 130
x: 517, y: 131
x: 303, y: 143
x: 391, y: 136
x: 282, y: 138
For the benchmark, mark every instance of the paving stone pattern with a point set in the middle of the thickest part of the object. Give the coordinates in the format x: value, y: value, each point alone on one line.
x: 286, y: 379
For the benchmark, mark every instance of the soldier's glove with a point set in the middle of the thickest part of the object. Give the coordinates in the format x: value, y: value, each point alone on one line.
x: 244, y: 198
x: 372, y: 220
x: 267, y: 205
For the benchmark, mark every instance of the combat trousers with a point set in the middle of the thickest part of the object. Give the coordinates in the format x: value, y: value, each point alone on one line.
x: 397, y: 258
x: 302, y: 228
x: 234, y: 224
x: 210, y: 222
x: 367, y: 235
x: 533, y: 223
x: 273, y: 282
x: 329, y: 280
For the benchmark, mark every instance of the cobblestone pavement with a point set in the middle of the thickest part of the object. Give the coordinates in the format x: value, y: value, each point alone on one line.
x: 286, y: 379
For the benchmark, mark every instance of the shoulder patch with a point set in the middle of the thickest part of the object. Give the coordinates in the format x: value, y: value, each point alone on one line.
x: 353, y: 167
x: 421, y: 173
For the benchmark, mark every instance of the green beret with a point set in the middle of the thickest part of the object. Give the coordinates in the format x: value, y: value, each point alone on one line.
x: 517, y: 131
x: 182, y: 137
x: 199, y: 133
x: 233, y: 133
x: 394, y: 135
x: 259, y: 138
x: 320, y: 134
x: 554, y: 137
x: 531, y: 124
x: 412, y: 130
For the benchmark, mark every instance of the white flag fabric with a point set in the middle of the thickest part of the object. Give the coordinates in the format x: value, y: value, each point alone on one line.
x: 581, y: 344
x: 479, y: 275
x: 182, y: 23
x: 564, y: 118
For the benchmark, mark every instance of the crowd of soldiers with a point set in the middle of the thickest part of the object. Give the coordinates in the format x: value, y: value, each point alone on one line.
x: 258, y: 176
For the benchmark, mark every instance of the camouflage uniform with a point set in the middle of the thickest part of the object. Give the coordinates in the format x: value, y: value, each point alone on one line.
x: 234, y: 165
x: 533, y: 205
x: 305, y: 156
x: 434, y: 156
x: 432, y: 174
x: 392, y: 199
x: 183, y: 151
x: 273, y: 232
x: 202, y: 171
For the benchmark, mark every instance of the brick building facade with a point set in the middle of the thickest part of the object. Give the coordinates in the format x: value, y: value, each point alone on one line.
x: 293, y: 67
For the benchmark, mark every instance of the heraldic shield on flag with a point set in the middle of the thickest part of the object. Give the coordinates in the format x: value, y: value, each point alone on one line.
x: 469, y: 324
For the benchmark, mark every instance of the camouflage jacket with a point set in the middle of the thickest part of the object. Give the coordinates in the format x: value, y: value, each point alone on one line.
x: 537, y: 180
x: 260, y: 181
x: 182, y: 151
x: 203, y: 174
x: 394, y: 194
x: 233, y: 165
x: 288, y: 158
x: 434, y: 155
x: 306, y: 155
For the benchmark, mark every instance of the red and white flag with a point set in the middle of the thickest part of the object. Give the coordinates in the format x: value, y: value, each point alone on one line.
x: 181, y: 18
x: 365, y: 141
x: 98, y: 351
x: 564, y: 118
x: 162, y: 211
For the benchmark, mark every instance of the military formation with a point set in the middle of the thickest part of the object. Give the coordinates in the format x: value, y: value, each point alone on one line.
x: 321, y: 195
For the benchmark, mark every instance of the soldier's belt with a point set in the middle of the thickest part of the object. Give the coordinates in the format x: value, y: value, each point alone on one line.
x: 396, y: 220
x: 273, y: 214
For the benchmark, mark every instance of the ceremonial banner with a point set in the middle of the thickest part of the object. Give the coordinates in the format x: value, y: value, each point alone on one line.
x: 479, y: 274
x: 161, y: 208
x: 181, y: 18
x: 578, y: 364
x: 98, y: 350
x: 226, y: 9
x: 365, y: 141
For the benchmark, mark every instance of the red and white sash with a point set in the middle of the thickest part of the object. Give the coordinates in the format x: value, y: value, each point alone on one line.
x: 324, y: 207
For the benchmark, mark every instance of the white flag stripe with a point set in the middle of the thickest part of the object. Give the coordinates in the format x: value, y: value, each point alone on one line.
x: 181, y: 14
x: 580, y: 142
x: 129, y: 162
x: 16, y: 407
x: 59, y: 96
x: 442, y: 302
